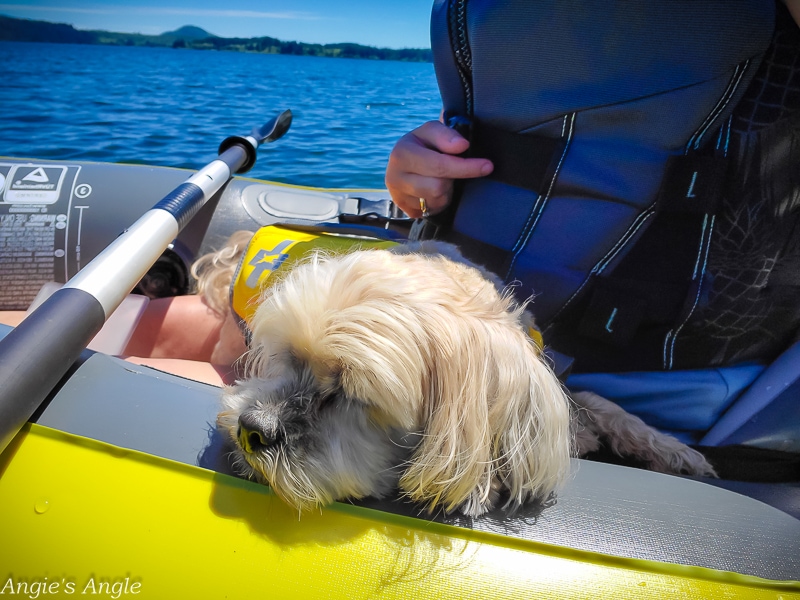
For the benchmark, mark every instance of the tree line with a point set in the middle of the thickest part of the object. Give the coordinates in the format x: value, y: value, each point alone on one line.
x: 27, y: 30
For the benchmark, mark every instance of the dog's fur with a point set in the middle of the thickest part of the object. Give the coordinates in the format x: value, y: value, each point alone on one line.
x: 409, y: 368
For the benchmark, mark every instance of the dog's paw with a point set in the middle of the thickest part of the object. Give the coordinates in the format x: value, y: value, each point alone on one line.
x: 679, y: 459
x: 601, y: 422
x: 663, y: 453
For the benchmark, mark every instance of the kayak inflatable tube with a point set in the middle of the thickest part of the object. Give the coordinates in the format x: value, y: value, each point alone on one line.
x: 119, y: 486
x: 57, y: 216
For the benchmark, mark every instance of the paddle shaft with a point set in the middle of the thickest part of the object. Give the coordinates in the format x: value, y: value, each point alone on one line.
x: 40, y: 350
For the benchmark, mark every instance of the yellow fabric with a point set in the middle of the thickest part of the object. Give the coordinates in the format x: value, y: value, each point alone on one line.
x: 275, y: 248
x: 79, y: 512
x: 536, y: 336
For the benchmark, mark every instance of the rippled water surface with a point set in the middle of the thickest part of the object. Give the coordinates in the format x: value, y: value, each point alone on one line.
x: 173, y: 107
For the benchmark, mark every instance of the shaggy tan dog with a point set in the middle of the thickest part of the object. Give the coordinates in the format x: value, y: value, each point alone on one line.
x: 409, y: 368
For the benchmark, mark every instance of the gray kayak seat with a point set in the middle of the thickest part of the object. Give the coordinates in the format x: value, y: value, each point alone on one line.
x: 767, y: 415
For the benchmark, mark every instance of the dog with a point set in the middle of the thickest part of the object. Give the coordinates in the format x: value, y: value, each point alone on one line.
x: 412, y: 369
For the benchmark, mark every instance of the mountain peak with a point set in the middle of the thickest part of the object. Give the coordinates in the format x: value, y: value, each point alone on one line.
x: 189, y: 32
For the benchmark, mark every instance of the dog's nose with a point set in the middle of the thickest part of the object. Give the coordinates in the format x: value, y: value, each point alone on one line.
x: 258, y: 431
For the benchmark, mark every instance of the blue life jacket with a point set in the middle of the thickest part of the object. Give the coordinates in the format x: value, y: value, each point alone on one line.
x: 643, y: 189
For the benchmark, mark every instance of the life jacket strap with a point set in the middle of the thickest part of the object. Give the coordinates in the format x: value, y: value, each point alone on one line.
x: 523, y: 160
x: 753, y: 464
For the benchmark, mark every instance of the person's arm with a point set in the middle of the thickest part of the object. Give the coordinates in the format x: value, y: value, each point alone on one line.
x: 424, y: 163
x: 183, y: 336
x: 185, y: 328
x: 12, y: 318
x: 177, y: 327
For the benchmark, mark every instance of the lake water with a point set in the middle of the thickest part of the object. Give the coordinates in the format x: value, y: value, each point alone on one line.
x: 173, y: 107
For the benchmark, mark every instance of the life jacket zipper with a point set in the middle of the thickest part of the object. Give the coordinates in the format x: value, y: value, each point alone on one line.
x: 459, y: 41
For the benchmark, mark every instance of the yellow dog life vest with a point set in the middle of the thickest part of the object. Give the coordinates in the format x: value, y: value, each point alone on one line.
x: 275, y: 248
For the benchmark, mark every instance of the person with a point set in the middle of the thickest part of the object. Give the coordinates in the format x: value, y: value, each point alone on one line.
x: 425, y: 163
x: 679, y: 372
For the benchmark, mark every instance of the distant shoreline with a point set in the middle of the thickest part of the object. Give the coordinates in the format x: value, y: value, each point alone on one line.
x: 28, y: 30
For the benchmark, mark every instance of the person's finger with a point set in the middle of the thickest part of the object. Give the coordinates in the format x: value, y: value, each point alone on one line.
x: 432, y: 181
x: 430, y: 163
x: 444, y: 141
x: 437, y: 136
x: 410, y: 155
x: 424, y: 163
x: 436, y: 193
x: 407, y: 188
x: 412, y: 206
x: 417, y: 184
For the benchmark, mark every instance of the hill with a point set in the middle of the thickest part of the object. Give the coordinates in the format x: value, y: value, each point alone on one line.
x: 189, y: 32
x: 189, y: 36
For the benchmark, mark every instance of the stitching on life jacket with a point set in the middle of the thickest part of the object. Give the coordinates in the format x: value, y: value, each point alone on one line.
x: 632, y: 230
x: 728, y: 136
x: 541, y: 202
x: 702, y: 235
x: 705, y: 242
x: 601, y: 265
x: 723, y: 102
x: 666, y: 344
x: 709, y: 118
x: 719, y: 137
x: 536, y: 205
x: 671, y: 338
x: 640, y: 220
x: 457, y: 30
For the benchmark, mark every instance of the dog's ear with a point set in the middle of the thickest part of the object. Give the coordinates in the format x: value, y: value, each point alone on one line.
x: 453, y: 461
x: 530, y: 421
x: 495, y: 414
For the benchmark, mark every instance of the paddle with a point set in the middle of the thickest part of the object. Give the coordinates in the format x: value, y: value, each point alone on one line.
x: 39, y: 352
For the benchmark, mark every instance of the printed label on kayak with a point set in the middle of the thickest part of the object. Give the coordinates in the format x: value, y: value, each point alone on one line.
x: 27, y: 256
x: 33, y: 229
x: 34, y: 184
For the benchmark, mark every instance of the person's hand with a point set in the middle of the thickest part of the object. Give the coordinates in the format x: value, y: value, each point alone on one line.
x: 424, y: 163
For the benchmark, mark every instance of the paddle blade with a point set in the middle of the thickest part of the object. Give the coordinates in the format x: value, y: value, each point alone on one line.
x: 273, y: 129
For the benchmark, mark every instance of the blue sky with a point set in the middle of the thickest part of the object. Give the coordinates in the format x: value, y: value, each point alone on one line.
x: 391, y: 24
